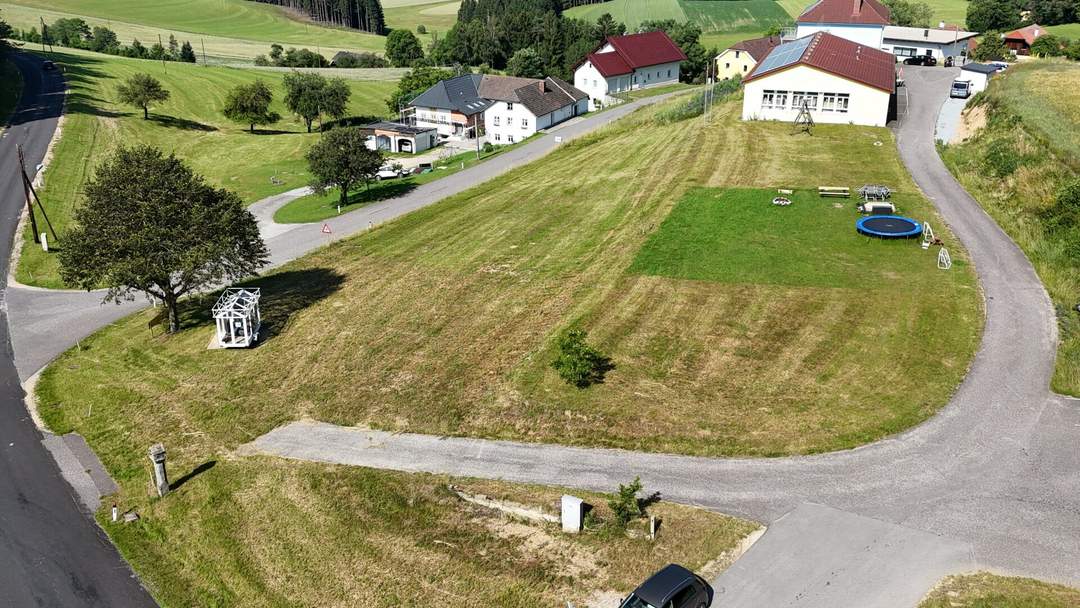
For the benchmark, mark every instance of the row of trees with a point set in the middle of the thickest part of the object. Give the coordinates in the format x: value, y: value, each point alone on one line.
x: 309, y: 96
x: 364, y: 15
x: 910, y: 13
x: 1004, y: 15
x: 77, y: 34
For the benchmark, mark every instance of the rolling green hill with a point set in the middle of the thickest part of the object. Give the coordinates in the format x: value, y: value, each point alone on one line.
x: 229, y: 28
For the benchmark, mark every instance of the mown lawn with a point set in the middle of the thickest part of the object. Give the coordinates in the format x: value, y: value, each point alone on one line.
x: 444, y: 321
x: 991, y: 591
x: 1034, y: 121
x: 227, y: 19
x: 190, y: 124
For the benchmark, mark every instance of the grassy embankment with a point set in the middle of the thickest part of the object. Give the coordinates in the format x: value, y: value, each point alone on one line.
x: 9, y: 90
x: 437, y: 16
x: 1015, y: 166
x: 230, y: 29
x: 991, y: 591
x: 190, y: 124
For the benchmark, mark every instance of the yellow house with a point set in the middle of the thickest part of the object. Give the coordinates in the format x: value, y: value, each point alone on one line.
x: 740, y: 59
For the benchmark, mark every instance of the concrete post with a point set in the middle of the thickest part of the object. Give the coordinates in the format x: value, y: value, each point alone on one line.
x: 157, y: 456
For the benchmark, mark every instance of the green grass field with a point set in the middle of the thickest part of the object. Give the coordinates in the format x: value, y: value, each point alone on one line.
x: 189, y: 123
x: 747, y: 16
x: 436, y: 16
x: 468, y: 296
x: 230, y: 29
x: 1068, y: 30
x: 991, y: 591
x: 1035, y: 112
x: 9, y: 90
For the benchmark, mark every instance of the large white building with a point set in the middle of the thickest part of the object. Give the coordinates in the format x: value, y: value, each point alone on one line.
x: 505, y: 108
x: 625, y: 63
x: 839, y: 81
x: 938, y: 42
x: 861, y: 21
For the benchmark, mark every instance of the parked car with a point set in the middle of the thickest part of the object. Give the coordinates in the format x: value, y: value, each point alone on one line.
x: 388, y: 172
x: 48, y: 66
x: 1000, y: 65
x: 961, y: 89
x: 671, y: 587
x: 921, y: 60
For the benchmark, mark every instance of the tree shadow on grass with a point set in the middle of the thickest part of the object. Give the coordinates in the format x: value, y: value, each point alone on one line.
x: 380, y: 191
x: 349, y: 121
x: 272, y: 132
x: 180, y: 123
x: 282, y: 294
x: 202, y: 468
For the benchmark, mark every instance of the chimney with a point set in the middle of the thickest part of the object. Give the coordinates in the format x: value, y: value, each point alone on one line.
x: 542, y: 85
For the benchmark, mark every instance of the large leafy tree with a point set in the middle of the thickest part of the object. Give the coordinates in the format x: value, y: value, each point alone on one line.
x: 249, y: 104
x: 607, y: 26
x: 992, y: 15
x: 342, y: 160
x: 527, y: 63
x: 149, y: 224
x: 991, y: 48
x: 310, y: 96
x: 403, y: 48
x: 413, y: 83
x: 910, y: 13
x: 141, y: 90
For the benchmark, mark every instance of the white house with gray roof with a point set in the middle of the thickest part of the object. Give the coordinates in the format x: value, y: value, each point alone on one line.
x: 939, y: 42
x: 506, y: 108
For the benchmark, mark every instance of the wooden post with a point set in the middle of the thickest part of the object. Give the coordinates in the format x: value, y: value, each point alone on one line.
x: 26, y: 192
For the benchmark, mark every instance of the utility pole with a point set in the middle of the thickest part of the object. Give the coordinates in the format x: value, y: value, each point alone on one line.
x: 44, y: 34
x: 26, y: 192
x: 162, y: 47
x: 203, y: 43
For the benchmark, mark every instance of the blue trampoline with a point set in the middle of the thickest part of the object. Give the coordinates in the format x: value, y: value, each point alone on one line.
x: 889, y: 227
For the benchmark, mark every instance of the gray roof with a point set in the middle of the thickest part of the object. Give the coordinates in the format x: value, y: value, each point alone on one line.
x: 397, y: 127
x: 474, y: 93
x: 460, y: 94
x: 981, y: 68
x: 932, y: 35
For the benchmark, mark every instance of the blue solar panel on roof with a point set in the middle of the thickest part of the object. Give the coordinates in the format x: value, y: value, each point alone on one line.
x: 784, y: 55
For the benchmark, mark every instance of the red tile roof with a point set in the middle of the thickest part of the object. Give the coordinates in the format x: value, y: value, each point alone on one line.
x: 1027, y: 34
x: 634, y: 51
x: 869, y: 12
x: 839, y: 56
x: 757, y: 47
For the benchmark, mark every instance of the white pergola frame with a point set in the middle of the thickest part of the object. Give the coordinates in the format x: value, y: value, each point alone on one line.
x: 237, y: 317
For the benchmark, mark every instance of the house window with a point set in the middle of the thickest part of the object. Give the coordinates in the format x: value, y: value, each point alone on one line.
x: 727, y: 65
x: 509, y: 106
x: 800, y: 97
x: 744, y: 67
x: 842, y: 102
x: 774, y: 99
x: 669, y: 73
x: 903, y: 51
x: 828, y: 102
x: 635, y: 78
x: 524, y: 123
x: 498, y: 137
x: 496, y: 121
x: 510, y: 138
x: 737, y: 54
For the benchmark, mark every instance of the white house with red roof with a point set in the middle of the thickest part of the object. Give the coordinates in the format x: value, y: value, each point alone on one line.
x: 625, y: 63
x: 860, y: 21
x: 838, y: 81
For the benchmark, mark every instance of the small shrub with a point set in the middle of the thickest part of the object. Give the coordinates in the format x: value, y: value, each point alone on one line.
x: 1001, y: 158
x: 488, y: 147
x: 420, y: 29
x: 578, y: 363
x: 625, y: 504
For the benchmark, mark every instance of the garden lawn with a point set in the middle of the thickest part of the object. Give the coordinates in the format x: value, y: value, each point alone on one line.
x: 190, y: 124
x: 10, y: 91
x: 1067, y: 30
x: 991, y: 591
x: 225, y: 19
x: 1034, y: 111
x: 317, y: 207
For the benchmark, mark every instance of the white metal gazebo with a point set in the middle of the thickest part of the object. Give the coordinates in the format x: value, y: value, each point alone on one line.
x: 237, y: 316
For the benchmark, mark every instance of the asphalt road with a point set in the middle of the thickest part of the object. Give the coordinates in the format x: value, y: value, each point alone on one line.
x: 995, y: 475
x: 51, y: 552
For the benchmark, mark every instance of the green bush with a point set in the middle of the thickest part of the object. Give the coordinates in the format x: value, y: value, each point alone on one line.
x: 625, y: 504
x: 1001, y: 158
x: 488, y: 147
x: 578, y: 363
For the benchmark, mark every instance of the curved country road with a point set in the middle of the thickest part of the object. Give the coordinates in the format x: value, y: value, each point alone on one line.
x: 990, y: 482
x: 51, y: 552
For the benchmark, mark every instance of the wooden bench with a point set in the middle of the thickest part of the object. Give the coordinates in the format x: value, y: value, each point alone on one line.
x: 837, y: 191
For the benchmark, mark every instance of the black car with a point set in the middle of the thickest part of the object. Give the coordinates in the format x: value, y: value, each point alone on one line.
x: 921, y: 60
x: 671, y: 587
x: 48, y: 66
